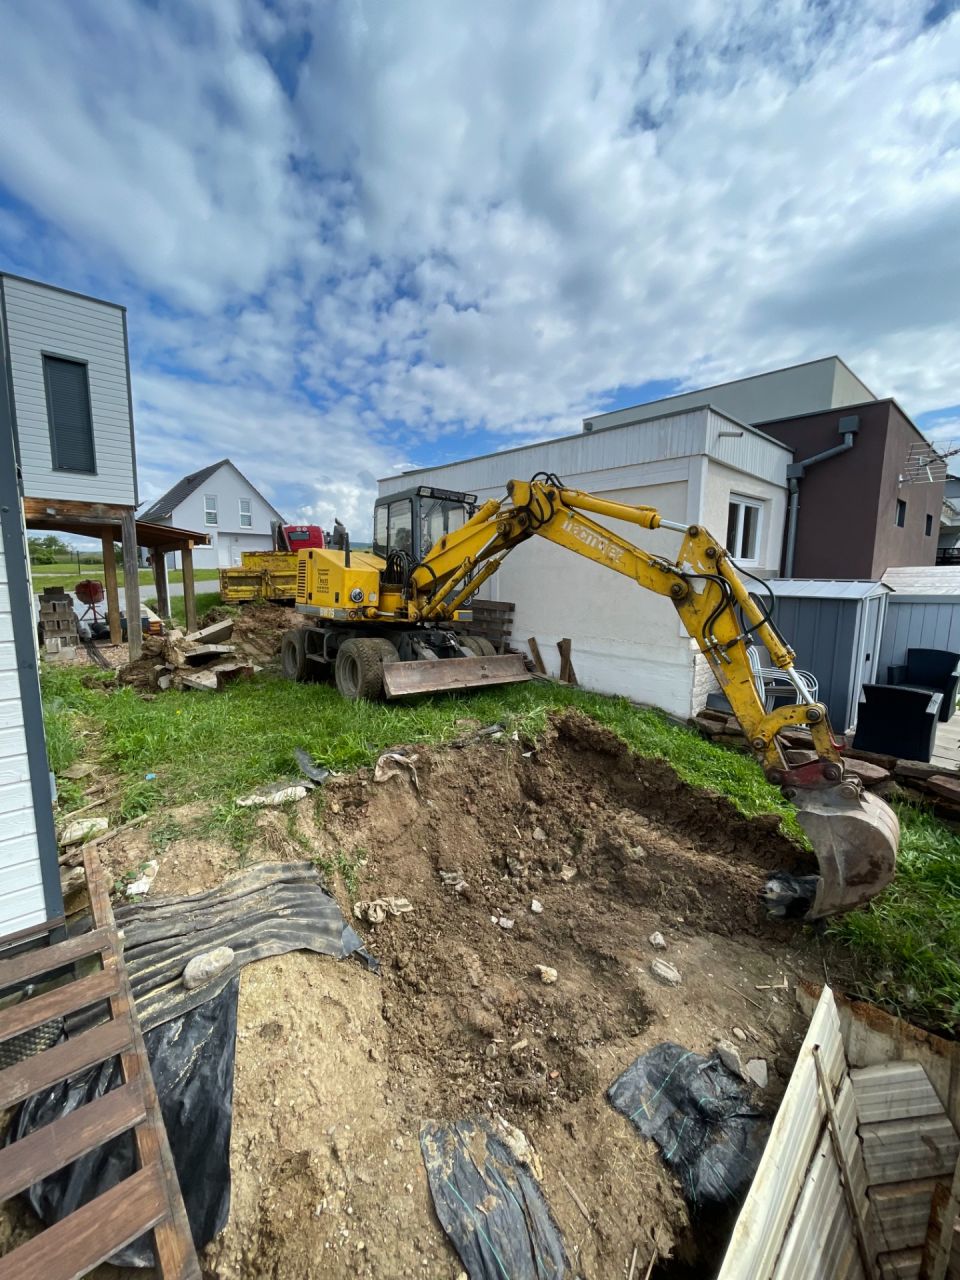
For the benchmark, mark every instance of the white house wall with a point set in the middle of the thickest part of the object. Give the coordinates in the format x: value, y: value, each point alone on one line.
x: 21, y: 888
x: 41, y: 319
x: 227, y: 538
x: 625, y: 640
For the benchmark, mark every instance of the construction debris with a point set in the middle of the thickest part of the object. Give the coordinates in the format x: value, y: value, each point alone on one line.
x: 548, y: 976
x: 82, y: 829
x: 148, y: 873
x: 377, y: 909
x: 178, y: 661
x: 665, y: 972
x: 275, y: 794
x: 391, y: 764
x: 658, y: 942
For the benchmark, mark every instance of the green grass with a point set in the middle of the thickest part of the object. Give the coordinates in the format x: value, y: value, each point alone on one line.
x: 205, y: 600
x: 906, y: 945
x: 66, y: 574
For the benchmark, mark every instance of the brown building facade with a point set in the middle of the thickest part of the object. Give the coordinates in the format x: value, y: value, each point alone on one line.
x: 856, y: 518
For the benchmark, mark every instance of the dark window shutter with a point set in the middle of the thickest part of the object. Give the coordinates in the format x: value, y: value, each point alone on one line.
x: 68, y: 411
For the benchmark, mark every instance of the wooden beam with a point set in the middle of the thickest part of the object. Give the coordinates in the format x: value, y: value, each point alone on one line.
x: 58, y: 509
x: 131, y: 583
x: 31, y: 964
x: 189, y: 590
x: 66, y: 1059
x: 110, y: 584
x: 159, y: 561
x: 536, y: 655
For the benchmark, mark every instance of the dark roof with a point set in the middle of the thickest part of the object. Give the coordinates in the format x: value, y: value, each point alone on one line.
x: 164, y: 507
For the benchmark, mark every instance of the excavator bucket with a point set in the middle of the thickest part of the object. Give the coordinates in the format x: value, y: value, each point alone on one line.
x: 402, y: 679
x: 855, y: 837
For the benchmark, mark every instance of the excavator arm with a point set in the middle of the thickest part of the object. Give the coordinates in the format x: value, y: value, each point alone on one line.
x: 854, y: 835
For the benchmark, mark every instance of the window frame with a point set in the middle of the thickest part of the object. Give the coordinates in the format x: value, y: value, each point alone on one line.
x: 207, y: 512
x: 741, y: 501
x: 900, y: 510
x: 248, y: 523
x: 46, y: 355
x: 928, y: 526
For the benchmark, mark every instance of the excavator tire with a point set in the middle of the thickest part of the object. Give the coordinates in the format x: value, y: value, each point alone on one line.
x: 478, y: 645
x: 358, y: 670
x: 293, y: 655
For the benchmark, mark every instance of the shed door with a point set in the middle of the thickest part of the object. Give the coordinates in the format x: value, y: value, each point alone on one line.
x: 871, y: 654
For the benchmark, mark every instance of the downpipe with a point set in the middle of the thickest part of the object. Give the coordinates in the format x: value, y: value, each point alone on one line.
x: 848, y: 428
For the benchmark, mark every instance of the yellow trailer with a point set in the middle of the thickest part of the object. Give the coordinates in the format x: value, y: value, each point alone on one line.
x: 261, y: 575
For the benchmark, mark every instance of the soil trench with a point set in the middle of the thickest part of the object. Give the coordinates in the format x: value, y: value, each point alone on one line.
x: 338, y: 1067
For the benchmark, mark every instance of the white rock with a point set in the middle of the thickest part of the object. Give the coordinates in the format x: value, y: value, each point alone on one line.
x: 539, y: 834
x: 756, y: 1070
x: 204, y: 968
x: 658, y: 942
x: 83, y: 829
x: 567, y: 872
x: 739, y: 1033
x: 505, y: 922
x: 536, y: 906
x: 137, y: 888
x: 548, y: 976
x: 665, y: 972
x: 729, y: 1055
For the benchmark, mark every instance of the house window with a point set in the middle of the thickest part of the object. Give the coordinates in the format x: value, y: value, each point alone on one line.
x: 246, y: 515
x: 901, y: 516
x: 929, y: 526
x: 743, y: 529
x: 68, y: 413
x: 210, y: 508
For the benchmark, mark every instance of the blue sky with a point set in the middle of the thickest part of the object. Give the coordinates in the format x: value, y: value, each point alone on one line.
x: 354, y: 236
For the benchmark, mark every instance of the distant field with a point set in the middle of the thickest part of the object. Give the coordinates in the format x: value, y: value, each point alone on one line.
x: 66, y: 574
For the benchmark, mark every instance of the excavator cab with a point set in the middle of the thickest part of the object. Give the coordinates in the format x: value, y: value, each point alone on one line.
x: 413, y: 520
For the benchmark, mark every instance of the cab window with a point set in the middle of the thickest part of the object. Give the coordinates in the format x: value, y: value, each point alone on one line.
x: 400, y: 526
x: 380, y: 531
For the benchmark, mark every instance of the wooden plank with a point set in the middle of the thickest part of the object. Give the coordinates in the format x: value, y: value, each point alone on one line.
x: 60, y: 509
x: 893, y: 1091
x: 536, y: 655
x: 907, y: 1150
x: 35, y: 1074
x: 111, y: 588
x: 77, y: 1244
x: 173, y: 1240
x: 567, y: 673
x: 31, y: 964
x: 189, y: 589
x: 69, y: 998
x: 131, y: 583
x: 59, y: 1143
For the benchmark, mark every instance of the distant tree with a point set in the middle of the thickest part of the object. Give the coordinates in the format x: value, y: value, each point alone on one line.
x: 48, y: 549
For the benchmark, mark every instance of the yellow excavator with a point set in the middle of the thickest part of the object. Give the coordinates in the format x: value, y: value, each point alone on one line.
x: 385, y: 623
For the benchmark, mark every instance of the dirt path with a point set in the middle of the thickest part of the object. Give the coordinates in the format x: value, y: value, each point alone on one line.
x: 337, y: 1067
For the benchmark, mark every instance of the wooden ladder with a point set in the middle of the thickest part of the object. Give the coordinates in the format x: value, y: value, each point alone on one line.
x: 149, y: 1199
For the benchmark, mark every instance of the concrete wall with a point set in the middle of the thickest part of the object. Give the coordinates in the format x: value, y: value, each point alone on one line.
x: 36, y: 319
x: 227, y: 538
x: 625, y: 640
x: 804, y: 388
x: 847, y: 517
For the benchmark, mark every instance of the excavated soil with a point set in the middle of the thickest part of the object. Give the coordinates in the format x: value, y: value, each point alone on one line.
x: 338, y: 1067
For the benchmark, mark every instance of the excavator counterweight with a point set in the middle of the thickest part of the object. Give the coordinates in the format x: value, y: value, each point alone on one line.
x: 392, y: 623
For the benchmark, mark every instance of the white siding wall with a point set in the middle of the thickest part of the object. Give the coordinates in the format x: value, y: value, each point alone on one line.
x: 21, y: 891
x: 625, y: 640
x: 45, y: 320
x: 227, y: 538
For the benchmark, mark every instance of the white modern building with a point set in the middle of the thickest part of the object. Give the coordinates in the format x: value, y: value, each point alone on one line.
x: 220, y: 501
x: 697, y: 466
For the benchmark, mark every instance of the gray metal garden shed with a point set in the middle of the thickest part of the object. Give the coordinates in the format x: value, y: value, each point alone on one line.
x: 923, y: 612
x: 835, y: 627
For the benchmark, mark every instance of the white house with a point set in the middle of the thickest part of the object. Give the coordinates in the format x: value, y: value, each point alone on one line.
x: 698, y: 467
x: 221, y: 502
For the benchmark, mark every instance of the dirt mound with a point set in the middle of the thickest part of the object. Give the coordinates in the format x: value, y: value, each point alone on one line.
x: 257, y: 629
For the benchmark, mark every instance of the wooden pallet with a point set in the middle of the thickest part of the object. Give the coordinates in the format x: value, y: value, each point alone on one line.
x: 148, y: 1200
x: 492, y: 619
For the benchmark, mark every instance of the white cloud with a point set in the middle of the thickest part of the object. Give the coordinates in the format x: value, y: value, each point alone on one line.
x: 353, y: 232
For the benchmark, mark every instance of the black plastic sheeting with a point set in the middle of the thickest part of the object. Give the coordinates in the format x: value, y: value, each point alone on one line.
x: 701, y: 1117
x: 490, y: 1204
x: 191, y: 1059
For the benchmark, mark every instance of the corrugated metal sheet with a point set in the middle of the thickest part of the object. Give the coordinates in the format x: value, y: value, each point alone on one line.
x: 825, y: 588
x: 901, y: 1212
x: 894, y: 1091
x: 918, y: 622
x: 904, y: 1150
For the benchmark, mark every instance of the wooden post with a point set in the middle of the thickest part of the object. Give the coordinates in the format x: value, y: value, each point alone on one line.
x: 189, y: 588
x: 131, y: 583
x: 160, y: 581
x: 110, y: 583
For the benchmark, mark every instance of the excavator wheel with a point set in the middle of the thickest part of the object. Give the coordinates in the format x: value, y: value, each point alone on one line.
x: 293, y: 655
x: 358, y: 670
x: 478, y: 645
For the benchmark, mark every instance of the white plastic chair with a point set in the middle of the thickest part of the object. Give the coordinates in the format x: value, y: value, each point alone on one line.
x: 771, y: 682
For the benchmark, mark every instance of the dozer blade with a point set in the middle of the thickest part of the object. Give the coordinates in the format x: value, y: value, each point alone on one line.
x: 403, y: 678
x: 855, y: 837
